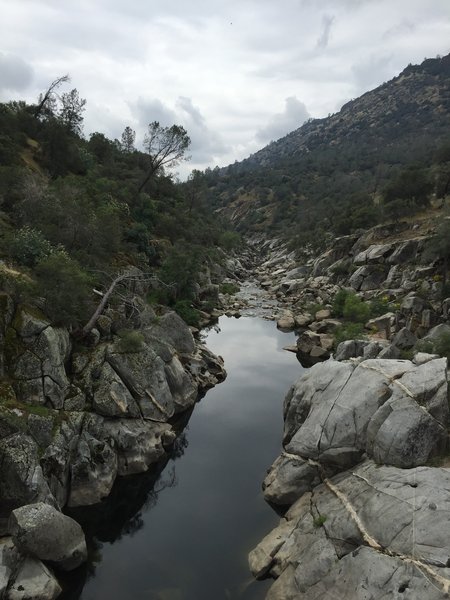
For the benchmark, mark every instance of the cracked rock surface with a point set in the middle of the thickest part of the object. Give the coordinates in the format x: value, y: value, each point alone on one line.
x: 366, y: 518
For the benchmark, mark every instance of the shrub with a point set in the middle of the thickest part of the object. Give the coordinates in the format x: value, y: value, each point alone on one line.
x: 442, y: 345
x: 350, y: 331
x: 187, y: 312
x: 378, y: 307
x: 30, y: 246
x: 319, y: 521
x: 66, y: 289
x: 229, y: 288
x: 356, y: 309
x: 130, y: 341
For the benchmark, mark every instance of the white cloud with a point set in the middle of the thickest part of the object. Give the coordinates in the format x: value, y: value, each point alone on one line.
x: 223, y: 70
x: 295, y: 114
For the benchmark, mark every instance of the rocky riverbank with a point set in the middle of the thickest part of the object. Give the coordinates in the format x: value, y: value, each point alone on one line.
x: 363, y: 481
x: 74, y: 417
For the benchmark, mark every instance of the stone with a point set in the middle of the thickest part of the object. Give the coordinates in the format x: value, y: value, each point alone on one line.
x: 288, y: 479
x: 111, y: 397
x: 350, y: 349
x: 382, y: 324
x: 34, y: 581
x: 171, y: 329
x: 435, y: 333
x: 93, y: 470
x: 404, y: 339
x: 390, y: 351
x: 286, y: 321
x: 303, y: 320
x: 45, y: 533
x: 318, y: 550
x: 138, y: 444
x: 323, y: 314
x: 21, y: 477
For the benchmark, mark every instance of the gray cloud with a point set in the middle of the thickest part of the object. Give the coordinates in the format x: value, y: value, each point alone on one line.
x: 295, y: 114
x: 15, y: 74
x: 221, y: 69
x: 324, y: 38
x: 372, y: 72
x: 206, y: 144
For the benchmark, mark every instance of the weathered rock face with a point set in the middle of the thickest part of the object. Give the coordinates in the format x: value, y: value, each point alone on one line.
x: 365, y: 519
x: 21, y: 477
x: 71, y: 422
x: 378, y: 527
x: 43, y: 532
x: 33, y: 580
x: 392, y: 410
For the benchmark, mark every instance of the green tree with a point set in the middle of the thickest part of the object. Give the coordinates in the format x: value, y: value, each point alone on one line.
x: 127, y: 140
x: 71, y: 111
x: 166, y: 148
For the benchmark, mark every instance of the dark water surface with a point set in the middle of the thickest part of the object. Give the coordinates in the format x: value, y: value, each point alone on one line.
x: 191, y: 538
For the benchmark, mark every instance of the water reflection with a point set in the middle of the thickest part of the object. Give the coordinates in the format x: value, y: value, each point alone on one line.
x: 183, y: 532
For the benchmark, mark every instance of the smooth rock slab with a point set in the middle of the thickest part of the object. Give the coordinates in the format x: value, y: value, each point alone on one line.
x: 34, y: 581
x: 43, y: 532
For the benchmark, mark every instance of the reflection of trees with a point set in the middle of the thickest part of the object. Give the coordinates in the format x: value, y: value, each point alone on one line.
x: 120, y: 514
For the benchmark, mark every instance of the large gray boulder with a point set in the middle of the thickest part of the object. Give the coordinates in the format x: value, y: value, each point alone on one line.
x: 372, y: 532
x: 42, y: 531
x: 21, y: 477
x: 171, y: 329
x: 36, y: 354
x: 34, y: 581
x: 93, y: 470
x: 393, y: 410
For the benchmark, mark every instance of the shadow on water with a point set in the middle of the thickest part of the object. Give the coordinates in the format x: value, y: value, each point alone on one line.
x: 183, y: 530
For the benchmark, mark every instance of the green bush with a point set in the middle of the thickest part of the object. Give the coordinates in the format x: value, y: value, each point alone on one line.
x: 378, y: 307
x: 348, y: 305
x: 442, y: 345
x: 229, y: 288
x: 187, y: 312
x: 66, y: 289
x: 130, y: 341
x: 356, y: 309
x: 349, y: 331
x: 30, y: 246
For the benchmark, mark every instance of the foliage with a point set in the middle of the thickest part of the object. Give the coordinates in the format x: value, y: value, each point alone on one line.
x: 229, y: 288
x: 320, y: 521
x: 65, y: 288
x: 130, y: 341
x: 349, y: 331
x: 229, y: 240
x: 442, y: 345
x: 29, y: 246
x: 187, y: 312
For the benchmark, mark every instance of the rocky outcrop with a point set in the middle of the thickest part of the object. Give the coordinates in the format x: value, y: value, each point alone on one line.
x: 362, y: 505
x: 75, y: 416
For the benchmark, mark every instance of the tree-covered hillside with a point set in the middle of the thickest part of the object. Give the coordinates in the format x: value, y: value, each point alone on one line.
x: 381, y: 156
x: 75, y: 212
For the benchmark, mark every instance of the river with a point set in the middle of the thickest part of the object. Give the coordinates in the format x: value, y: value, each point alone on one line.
x: 194, y: 524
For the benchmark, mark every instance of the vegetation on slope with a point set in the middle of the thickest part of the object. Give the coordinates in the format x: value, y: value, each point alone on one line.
x: 382, y: 156
x: 74, y: 212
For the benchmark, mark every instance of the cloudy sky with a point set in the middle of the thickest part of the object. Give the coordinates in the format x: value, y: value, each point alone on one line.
x: 236, y: 73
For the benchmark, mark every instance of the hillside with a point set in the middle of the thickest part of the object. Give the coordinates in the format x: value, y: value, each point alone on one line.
x: 330, y: 175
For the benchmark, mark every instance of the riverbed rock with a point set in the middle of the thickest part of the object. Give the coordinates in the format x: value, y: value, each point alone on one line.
x: 379, y: 525
x: 34, y: 581
x: 43, y: 532
x: 93, y: 470
x: 289, y: 478
x: 286, y: 321
x: 392, y: 409
x: 21, y: 477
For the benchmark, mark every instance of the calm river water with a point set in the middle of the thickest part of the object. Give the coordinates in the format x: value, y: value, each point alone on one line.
x: 186, y: 534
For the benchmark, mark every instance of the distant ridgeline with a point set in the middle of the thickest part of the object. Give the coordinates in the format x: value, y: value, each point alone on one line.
x: 382, y: 156
x: 74, y: 212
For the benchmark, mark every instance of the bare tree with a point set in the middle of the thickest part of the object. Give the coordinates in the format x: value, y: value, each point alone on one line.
x: 48, y: 97
x: 166, y: 147
x: 121, y: 278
